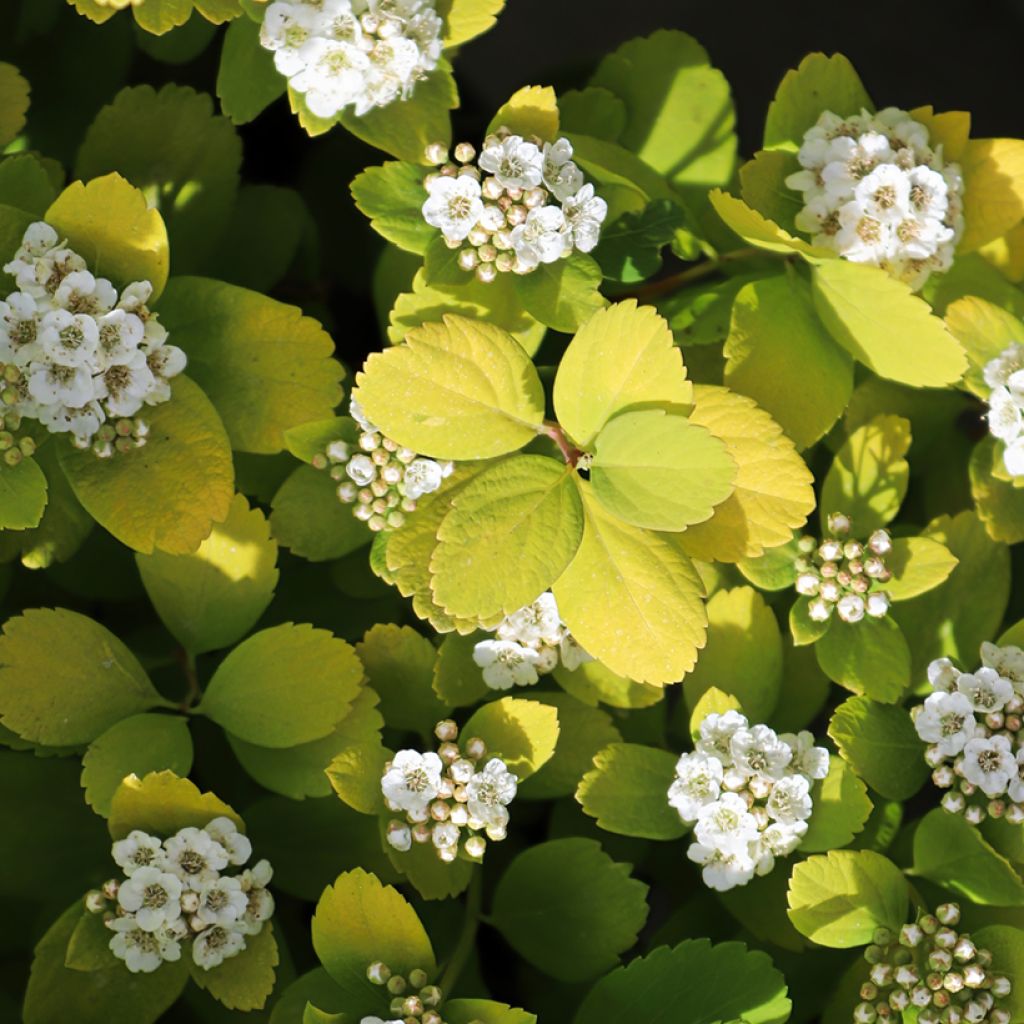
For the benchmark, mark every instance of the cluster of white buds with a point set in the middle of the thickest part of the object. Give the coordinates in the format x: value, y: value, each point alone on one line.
x: 839, y: 575
x: 1005, y: 376
x: 934, y: 972
x: 74, y: 354
x: 448, y: 798
x: 972, y: 725
x: 175, y: 891
x: 747, y: 792
x: 13, y: 448
x: 875, y: 192
x: 379, y: 478
x: 352, y: 53
x: 413, y: 1000
x: 529, y: 643
x: 522, y: 203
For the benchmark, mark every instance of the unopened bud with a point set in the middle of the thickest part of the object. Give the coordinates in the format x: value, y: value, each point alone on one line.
x: 378, y: 972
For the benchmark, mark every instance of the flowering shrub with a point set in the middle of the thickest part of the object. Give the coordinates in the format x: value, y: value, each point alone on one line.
x: 564, y: 575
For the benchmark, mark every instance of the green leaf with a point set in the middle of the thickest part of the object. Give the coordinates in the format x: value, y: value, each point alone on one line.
x: 355, y: 776
x: 680, y: 113
x: 308, y: 440
x: 622, y: 357
x: 245, y: 981
x: 918, y: 565
x: 880, y: 743
x: 392, y: 196
x: 955, y: 855
x: 358, y: 922
x: 993, y: 172
x: 632, y: 599
x: 777, y: 344
x: 820, y: 83
x: 316, y: 987
x: 168, y: 494
x: 712, y: 701
x: 14, y: 102
x: 840, y: 899
x: 985, y: 331
x: 627, y: 792
x: 567, y: 908
x: 110, y: 224
x: 880, y: 322
x: 692, y: 983
x: 756, y: 229
x: 89, y: 946
x: 593, y: 111
x: 630, y: 248
x: 660, y: 471
x: 594, y: 683
x: 743, y: 656
x: 283, y: 686
x: 179, y: 47
x: 868, y: 477
x: 802, y: 627
x: 510, y: 534
x: 1005, y: 944
x: 23, y: 491
x: 523, y: 733
x: 264, y: 365
x: 162, y: 803
x: 25, y: 183
x: 999, y: 504
x: 774, y: 570
x: 183, y: 157
x: 760, y: 907
x: 582, y: 732
x: 871, y: 657
x: 460, y: 389
x: 112, y: 996
x: 531, y: 110
x: 247, y: 81
x: 212, y: 598
x: 399, y: 665
x: 308, y: 518
x: 484, y: 1011
x: 465, y: 20
x: 134, y: 746
x: 563, y: 295
x: 763, y: 187
x: 457, y: 679
x: 65, y: 679
x: 841, y: 808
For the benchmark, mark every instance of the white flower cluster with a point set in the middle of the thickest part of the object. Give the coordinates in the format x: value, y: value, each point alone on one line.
x: 446, y: 794
x: 747, y: 792
x: 529, y: 644
x: 174, y: 891
x: 381, y: 480
x: 522, y: 203
x: 352, y: 53
x: 934, y: 972
x: 972, y: 724
x: 875, y: 192
x: 840, y: 575
x: 1005, y: 376
x: 74, y: 354
x: 413, y: 1001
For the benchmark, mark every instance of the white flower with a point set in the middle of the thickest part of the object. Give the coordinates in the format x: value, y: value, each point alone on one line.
x: 506, y: 664
x: 698, y: 782
x: 1004, y: 416
x: 225, y: 831
x: 781, y: 838
x: 124, y: 387
x: 535, y: 624
x: 222, y: 901
x: 543, y: 238
x: 560, y: 174
x: 120, y: 334
x: 361, y: 470
x: 999, y: 370
x: 985, y: 689
x: 214, y: 945
x: 1015, y: 790
x: 195, y: 857
x: 422, y: 476
x: 943, y: 674
x: 726, y: 824
x: 412, y: 781
x: 807, y: 759
x: 947, y: 720
x: 722, y: 869
x: 454, y: 205
x: 1007, y: 661
x: 142, y: 951
x: 571, y: 653
x: 1013, y: 457
x: 259, y: 902
x: 53, y: 384
x: 716, y: 733
x: 584, y: 214
x: 153, y: 896
x: 490, y: 791
x: 989, y: 764
x: 790, y: 800
x: 19, y: 329
x: 515, y: 163
x: 758, y: 751
x: 137, y: 850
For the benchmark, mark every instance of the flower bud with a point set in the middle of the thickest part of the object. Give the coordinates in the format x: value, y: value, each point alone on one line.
x: 475, y: 748
x: 95, y: 901
x: 378, y: 972
x: 396, y: 984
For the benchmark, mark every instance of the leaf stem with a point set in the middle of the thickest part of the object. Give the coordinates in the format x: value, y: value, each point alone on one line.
x: 570, y: 453
x: 188, y: 667
x: 467, y: 937
x: 665, y: 285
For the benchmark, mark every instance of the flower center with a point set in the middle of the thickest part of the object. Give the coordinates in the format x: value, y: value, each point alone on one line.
x: 191, y: 862
x: 416, y: 780
x: 154, y: 896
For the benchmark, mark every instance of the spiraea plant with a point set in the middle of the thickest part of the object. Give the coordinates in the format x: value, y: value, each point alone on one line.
x: 473, y: 552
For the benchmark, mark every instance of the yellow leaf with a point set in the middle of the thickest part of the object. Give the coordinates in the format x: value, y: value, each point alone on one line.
x: 108, y: 222
x: 984, y: 330
x: 467, y: 19
x: 633, y: 599
x: 161, y: 803
x: 1006, y: 254
x: 14, y: 100
x: 533, y: 110
x: 951, y: 129
x: 773, y: 493
x: 757, y: 229
x: 993, y: 171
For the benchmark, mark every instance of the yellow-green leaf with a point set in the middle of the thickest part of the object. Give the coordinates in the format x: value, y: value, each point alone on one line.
x: 460, y: 389
x: 523, y: 733
x: 211, y: 599
x: 918, y: 565
x: 594, y: 683
x: 993, y: 171
x: 245, y: 981
x: 162, y: 803
x: 533, y: 110
x: 633, y: 599
x: 985, y: 331
x: 14, y: 100
x: 467, y: 19
x: 23, y: 491
x: 757, y: 229
x: 999, y: 504
x: 169, y: 493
